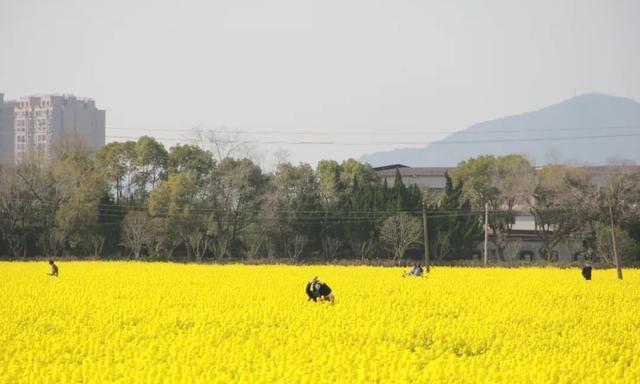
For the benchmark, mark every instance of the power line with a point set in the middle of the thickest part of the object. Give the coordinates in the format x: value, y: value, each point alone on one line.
x: 391, y: 132
x: 324, y: 211
x: 415, y: 142
x: 301, y: 216
x: 262, y: 220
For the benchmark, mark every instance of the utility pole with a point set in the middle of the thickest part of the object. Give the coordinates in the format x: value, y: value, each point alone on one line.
x: 486, y: 231
x: 613, y: 240
x: 426, y: 236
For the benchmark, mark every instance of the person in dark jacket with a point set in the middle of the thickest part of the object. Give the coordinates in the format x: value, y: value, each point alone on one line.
x: 54, y: 268
x: 316, y: 289
x: 586, y: 270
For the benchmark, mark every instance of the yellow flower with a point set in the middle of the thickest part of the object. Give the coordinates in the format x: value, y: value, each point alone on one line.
x: 171, y: 323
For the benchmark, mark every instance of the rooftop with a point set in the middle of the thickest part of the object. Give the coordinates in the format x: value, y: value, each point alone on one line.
x: 413, y: 171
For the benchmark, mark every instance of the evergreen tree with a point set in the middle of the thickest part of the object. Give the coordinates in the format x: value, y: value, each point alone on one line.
x: 399, y: 198
x: 360, y: 223
x: 455, y: 229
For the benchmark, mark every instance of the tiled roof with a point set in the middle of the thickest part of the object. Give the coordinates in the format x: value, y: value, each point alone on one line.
x: 392, y: 166
x: 415, y: 171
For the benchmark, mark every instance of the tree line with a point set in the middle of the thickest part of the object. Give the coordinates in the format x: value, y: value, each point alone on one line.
x: 142, y: 200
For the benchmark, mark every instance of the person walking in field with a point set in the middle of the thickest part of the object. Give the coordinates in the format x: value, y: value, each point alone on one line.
x: 54, y: 268
x: 586, y: 270
x: 415, y: 271
x: 316, y: 289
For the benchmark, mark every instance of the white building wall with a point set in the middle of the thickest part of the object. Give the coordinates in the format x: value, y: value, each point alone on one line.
x: 524, y: 222
x: 528, y: 249
x: 436, y: 181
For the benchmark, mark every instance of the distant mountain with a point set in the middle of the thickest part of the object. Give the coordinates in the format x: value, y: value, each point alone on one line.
x: 609, y: 127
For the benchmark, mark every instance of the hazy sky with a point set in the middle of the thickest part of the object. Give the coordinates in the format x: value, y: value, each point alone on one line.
x: 346, y: 68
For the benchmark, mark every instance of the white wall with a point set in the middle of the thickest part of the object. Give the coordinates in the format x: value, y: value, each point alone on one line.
x: 430, y: 181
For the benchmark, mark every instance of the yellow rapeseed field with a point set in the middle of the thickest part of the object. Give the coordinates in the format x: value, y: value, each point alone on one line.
x: 102, y: 322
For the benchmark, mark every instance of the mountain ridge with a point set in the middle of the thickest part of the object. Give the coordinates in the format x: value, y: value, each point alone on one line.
x: 590, y: 129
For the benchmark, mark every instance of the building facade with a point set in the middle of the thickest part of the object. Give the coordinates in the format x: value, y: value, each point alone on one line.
x: 7, y: 134
x: 431, y: 177
x: 40, y: 122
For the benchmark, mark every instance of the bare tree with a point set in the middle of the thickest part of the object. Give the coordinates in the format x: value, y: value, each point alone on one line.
x: 440, y: 244
x: 165, y: 239
x: 622, y: 196
x: 296, y: 246
x: 223, y: 143
x: 280, y: 156
x: 561, y: 203
x: 199, y: 244
x: 514, y: 181
x: 622, y: 190
x: 254, y: 244
x: 56, y: 241
x: 97, y: 243
x: 330, y: 247
x: 512, y: 249
x: 400, y: 232
x: 137, y: 231
x: 362, y: 248
x: 254, y: 237
x: 14, y: 208
x: 220, y: 244
x: 43, y: 199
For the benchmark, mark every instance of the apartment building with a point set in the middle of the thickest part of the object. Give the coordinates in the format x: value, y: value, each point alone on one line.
x: 42, y: 121
x: 7, y: 134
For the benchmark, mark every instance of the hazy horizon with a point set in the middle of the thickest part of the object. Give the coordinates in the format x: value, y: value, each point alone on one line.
x: 341, y: 69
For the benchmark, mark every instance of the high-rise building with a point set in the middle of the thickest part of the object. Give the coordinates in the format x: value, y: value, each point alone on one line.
x: 42, y: 121
x: 6, y: 131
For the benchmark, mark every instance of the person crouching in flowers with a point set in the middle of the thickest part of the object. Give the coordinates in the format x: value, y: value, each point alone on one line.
x: 54, y: 268
x: 415, y: 271
x: 316, y: 289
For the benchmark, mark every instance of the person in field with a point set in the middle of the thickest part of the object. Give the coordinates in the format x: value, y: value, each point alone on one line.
x: 54, y: 268
x: 586, y: 270
x: 316, y: 289
x: 415, y: 271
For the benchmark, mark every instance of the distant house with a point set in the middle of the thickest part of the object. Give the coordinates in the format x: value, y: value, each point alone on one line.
x: 600, y: 173
x: 432, y: 177
x: 525, y: 244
